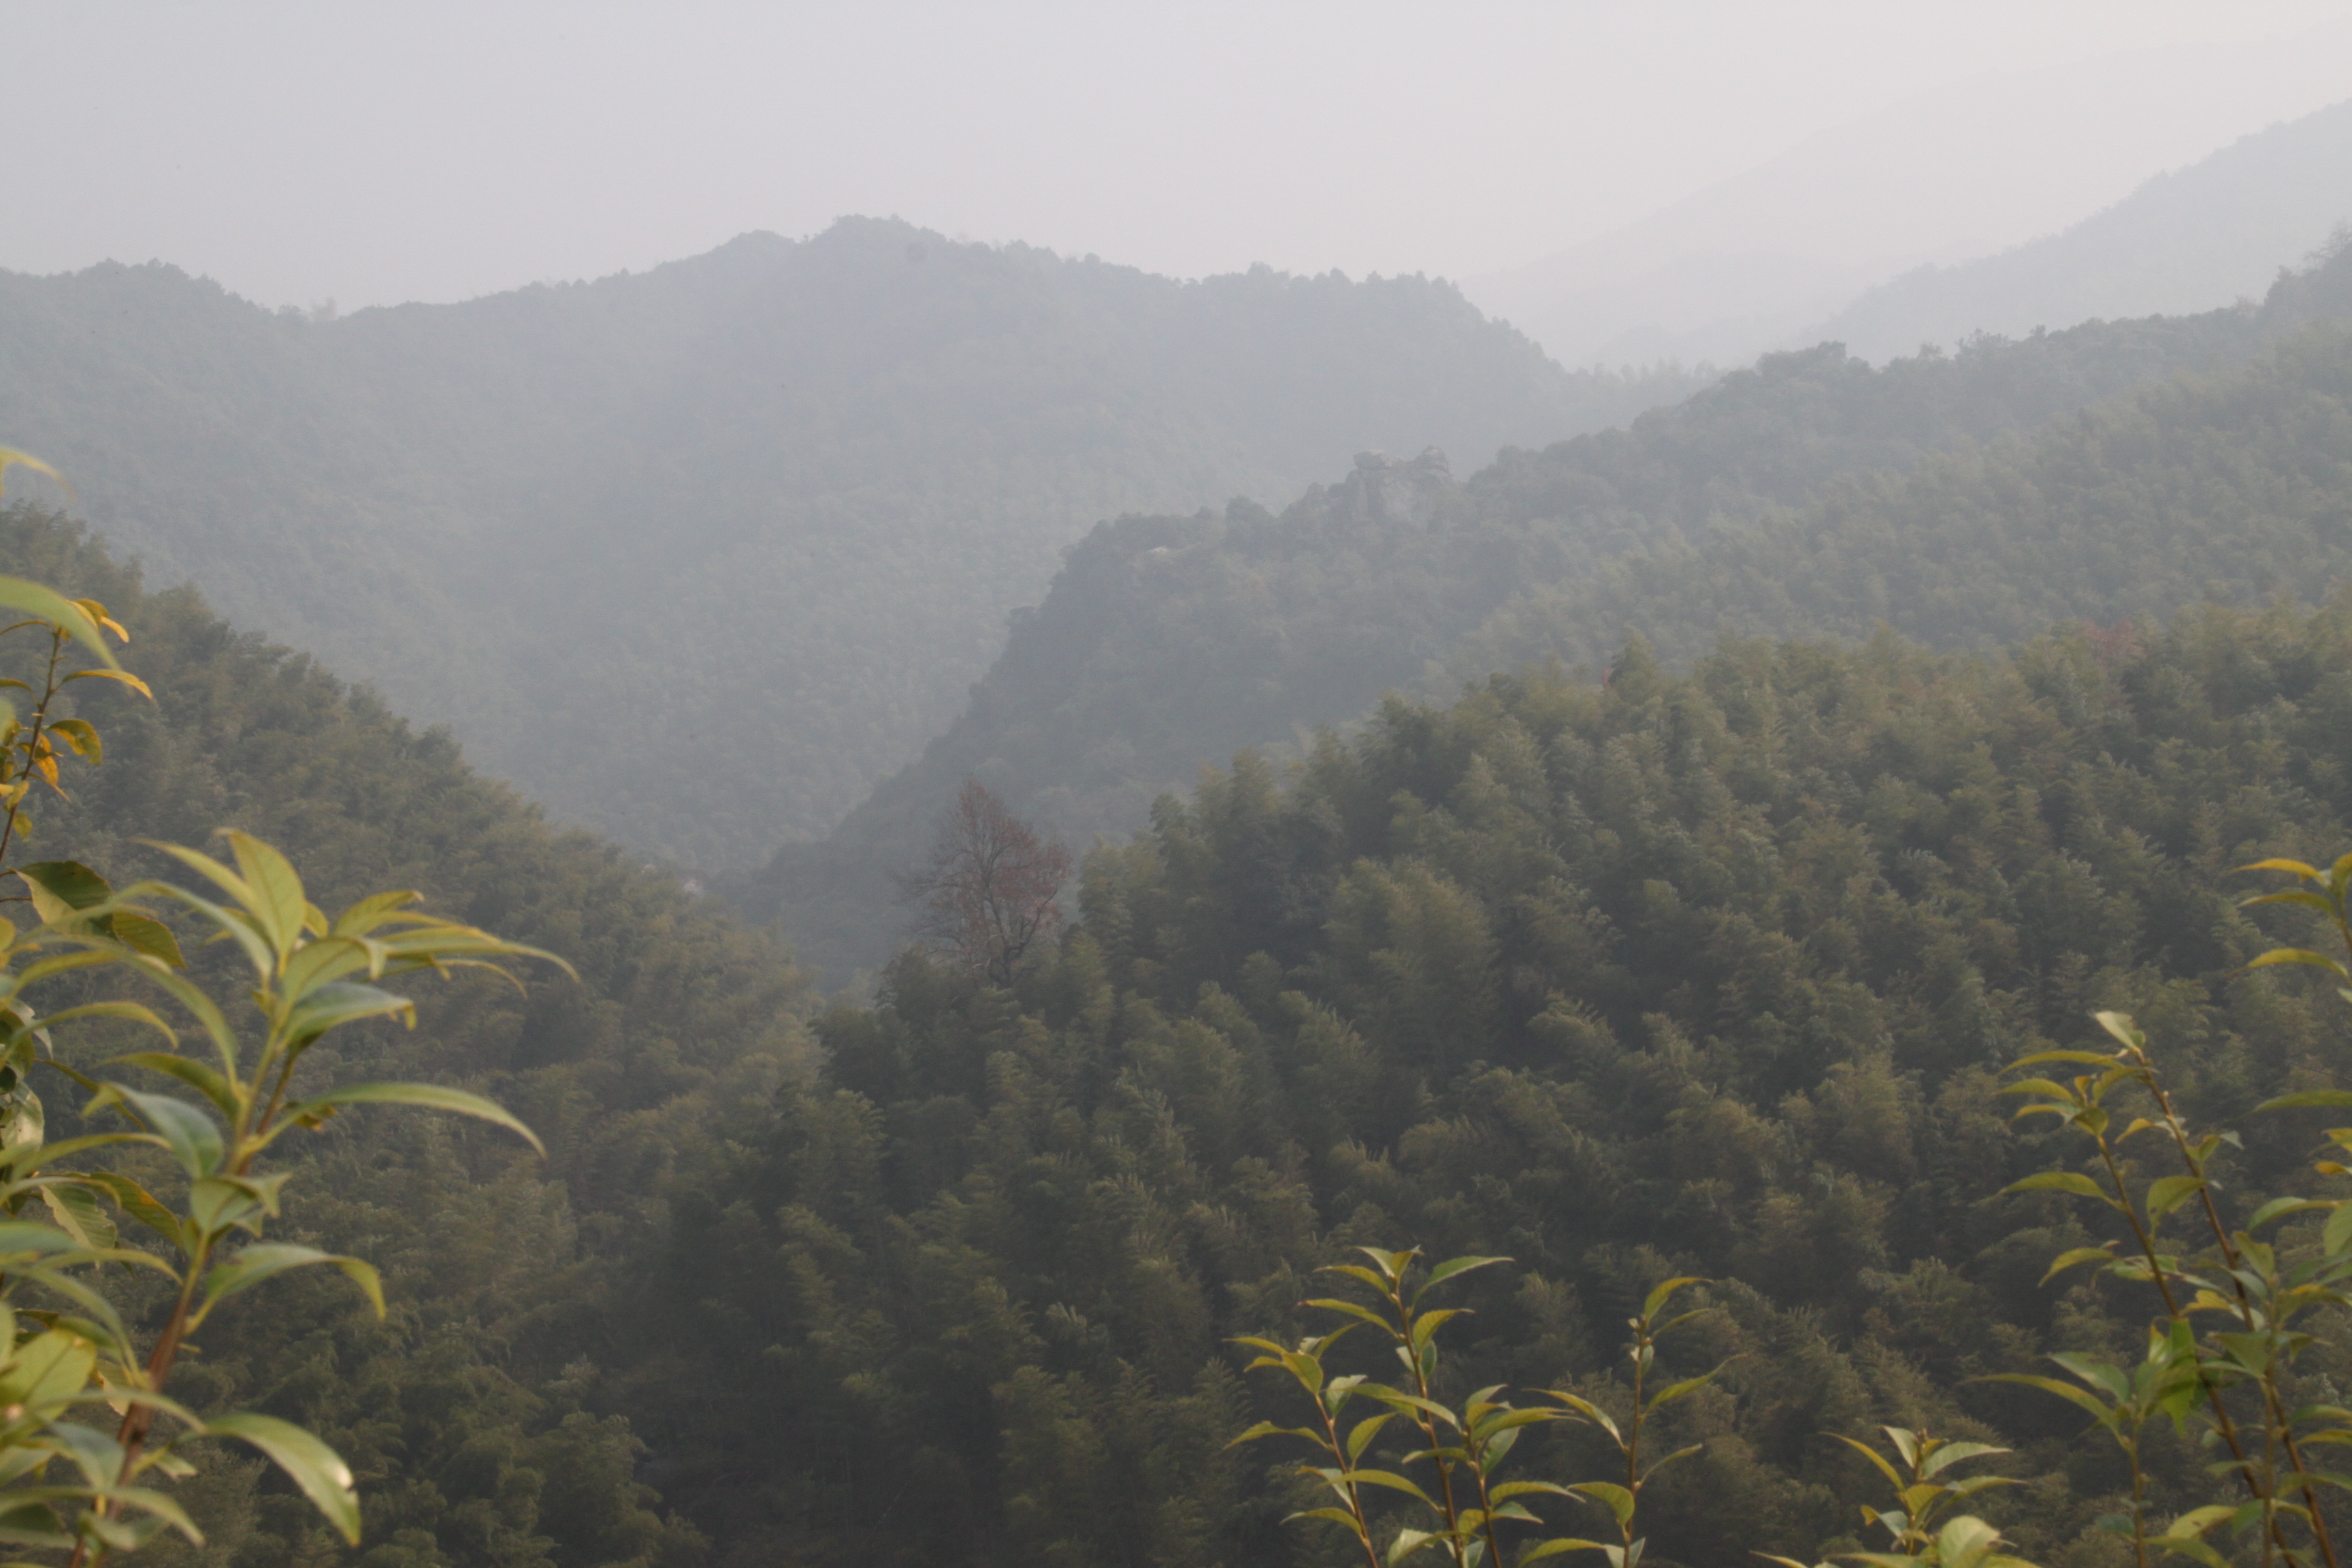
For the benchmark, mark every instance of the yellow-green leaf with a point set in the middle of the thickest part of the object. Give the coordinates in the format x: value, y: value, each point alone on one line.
x: 313, y: 1466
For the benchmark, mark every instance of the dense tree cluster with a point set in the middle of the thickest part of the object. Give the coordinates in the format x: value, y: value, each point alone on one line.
x: 1704, y: 963
x: 1709, y: 973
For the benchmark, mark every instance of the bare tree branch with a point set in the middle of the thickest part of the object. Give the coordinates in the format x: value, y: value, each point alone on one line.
x: 986, y: 894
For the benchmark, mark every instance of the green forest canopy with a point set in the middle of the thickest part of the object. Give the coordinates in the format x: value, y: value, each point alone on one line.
x: 1707, y: 974
x: 1704, y: 972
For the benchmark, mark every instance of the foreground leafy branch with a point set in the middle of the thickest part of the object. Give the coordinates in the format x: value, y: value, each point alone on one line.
x: 1460, y: 1451
x: 66, y: 1356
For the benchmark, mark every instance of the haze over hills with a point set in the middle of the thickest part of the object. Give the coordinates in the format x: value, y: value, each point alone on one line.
x: 1628, y: 834
x: 1752, y: 263
x: 2188, y: 240
x: 696, y: 555
x: 1772, y: 504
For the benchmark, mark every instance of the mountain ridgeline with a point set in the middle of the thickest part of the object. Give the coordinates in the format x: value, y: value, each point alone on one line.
x: 1967, y: 500
x: 696, y: 557
x: 2188, y: 241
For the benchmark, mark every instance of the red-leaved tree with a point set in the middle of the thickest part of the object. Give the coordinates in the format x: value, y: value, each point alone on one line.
x: 986, y: 894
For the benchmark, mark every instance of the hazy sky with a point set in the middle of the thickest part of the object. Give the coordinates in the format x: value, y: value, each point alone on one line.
x: 382, y: 152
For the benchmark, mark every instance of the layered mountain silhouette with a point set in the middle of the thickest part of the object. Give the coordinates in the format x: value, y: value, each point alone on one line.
x: 1967, y: 500
x: 695, y: 556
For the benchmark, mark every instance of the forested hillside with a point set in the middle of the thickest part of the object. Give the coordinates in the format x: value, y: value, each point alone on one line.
x: 1682, y: 974
x: 476, y: 1415
x: 1967, y: 498
x: 1673, y: 973
x: 697, y: 555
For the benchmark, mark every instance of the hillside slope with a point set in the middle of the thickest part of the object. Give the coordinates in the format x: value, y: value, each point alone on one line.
x: 1170, y: 642
x: 2190, y: 240
x: 1710, y: 974
x: 504, y: 1273
x: 697, y: 555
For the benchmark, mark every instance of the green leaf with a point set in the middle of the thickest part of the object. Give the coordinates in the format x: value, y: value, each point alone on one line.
x: 78, y: 1213
x: 62, y: 888
x: 1331, y: 1515
x: 1508, y: 1420
x: 1664, y: 1291
x: 2310, y: 873
x: 119, y: 676
x: 1682, y: 1390
x: 1401, y: 1400
x: 10, y: 457
x: 1586, y: 1408
x: 2295, y: 954
x: 2314, y: 1099
x: 2191, y: 1548
x: 2073, y: 1181
x: 1407, y: 1542
x: 2168, y: 1193
x: 1679, y: 1454
x: 145, y: 934
x: 1425, y: 1326
x: 191, y: 1135
x: 2121, y: 1026
x: 1893, y: 1475
x: 1334, y: 1304
x: 1452, y: 1265
x: 47, y: 603
x: 2336, y: 1234
x: 1366, y: 1430
x: 239, y: 919
x: 432, y: 1097
x: 318, y: 1469
x: 140, y: 1206
x: 277, y: 901
x: 342, y: 1002
x: 2069, y: 1258
x: 49, y: 1370
x: 1949, y: 1453
x: 159, y: 1504
x: 1616, y: 1498
x: 1269, y: 1429
x: 82, y: 736
x: 2279, y: 1208
x: 263, y: 1259
x: 1388, y: 1478
x: 19, y: 1238
x: 2078, y: 1059
x: 203, y: 1080
x: 373, y: 911
x: 1567, y: 1543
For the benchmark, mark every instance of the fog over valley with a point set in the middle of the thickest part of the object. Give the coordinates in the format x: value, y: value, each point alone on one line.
x: 1189, y: 787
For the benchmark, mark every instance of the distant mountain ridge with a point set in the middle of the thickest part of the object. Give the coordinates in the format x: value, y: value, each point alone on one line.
x: 696, y: 555
x: 2190, y: 240
x: 1772, y: 504
x: 1753, y: 262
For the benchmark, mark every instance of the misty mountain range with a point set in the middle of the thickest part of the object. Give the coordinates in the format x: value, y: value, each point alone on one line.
x: 1935, y: 218
x: 700, y: 556
x: 697, y: 555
